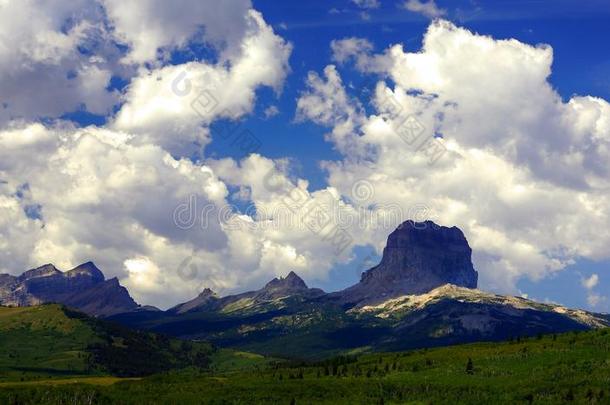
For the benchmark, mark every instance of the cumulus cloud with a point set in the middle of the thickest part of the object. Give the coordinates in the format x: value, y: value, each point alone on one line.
x: 110, y: 194
x: 55, y: 57
x: 153, y: 28
x: 426, y: 8
x: 60, y: 56
x: 510, y: 148
x: 169, y: 105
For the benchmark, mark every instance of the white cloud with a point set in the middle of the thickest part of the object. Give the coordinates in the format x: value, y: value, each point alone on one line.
x: 151, y: 27
x: 367, y: 4
x: 594, y: 300
x: 347, y: 48
x: 271, y: 111
x: 143, y: 275
x: 591, y: 282
x: 426, y: 8
x: 59, y: 57
x: 514, y: 149
x: 169, y: 105
x: 46, y: 62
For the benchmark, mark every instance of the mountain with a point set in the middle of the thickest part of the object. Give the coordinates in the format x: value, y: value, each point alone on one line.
x: 51, y: 340
x: 418, y: 257
x: 84, y: 288
x: 272, y: 295
x: 207, y: 299
x: 421, y: 294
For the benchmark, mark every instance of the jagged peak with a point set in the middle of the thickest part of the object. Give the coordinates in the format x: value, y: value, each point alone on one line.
x: 87, y: 268
x: 207, y: 292
x: 291, y: 282
x: 292, y: 276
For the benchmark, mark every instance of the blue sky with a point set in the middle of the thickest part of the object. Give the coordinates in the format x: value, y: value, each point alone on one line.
x: 89, y: 99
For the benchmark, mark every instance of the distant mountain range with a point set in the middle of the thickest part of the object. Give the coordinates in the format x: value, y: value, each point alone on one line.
x: 422, y: 294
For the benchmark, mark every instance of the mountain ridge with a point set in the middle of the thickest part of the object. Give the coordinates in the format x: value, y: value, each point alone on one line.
x: 421, y: 294
x: 84, y: 288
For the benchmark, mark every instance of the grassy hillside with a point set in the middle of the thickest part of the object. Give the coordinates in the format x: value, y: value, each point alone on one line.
x: 53, y: 341
x: 568, y: 368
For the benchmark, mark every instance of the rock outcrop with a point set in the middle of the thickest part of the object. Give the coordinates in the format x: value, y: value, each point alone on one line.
x: 418, y: 257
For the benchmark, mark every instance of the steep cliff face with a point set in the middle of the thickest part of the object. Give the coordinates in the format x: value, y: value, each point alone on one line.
x: 83, y: 287
x: 418, y: 257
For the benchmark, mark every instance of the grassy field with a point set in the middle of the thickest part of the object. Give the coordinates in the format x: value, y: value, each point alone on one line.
x: 568, y: 368
x: 38, y: 342
x: 50, y: 342
x: 105, y: 380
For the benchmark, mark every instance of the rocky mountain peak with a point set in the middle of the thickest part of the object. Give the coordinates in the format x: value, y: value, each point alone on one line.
x: 88, y: 269
x: 292, y: 282
x: 45, y: 270
x: 205, y: 300
x: 207, y: 292
x: 418, y: 257
x: 84, y: 287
